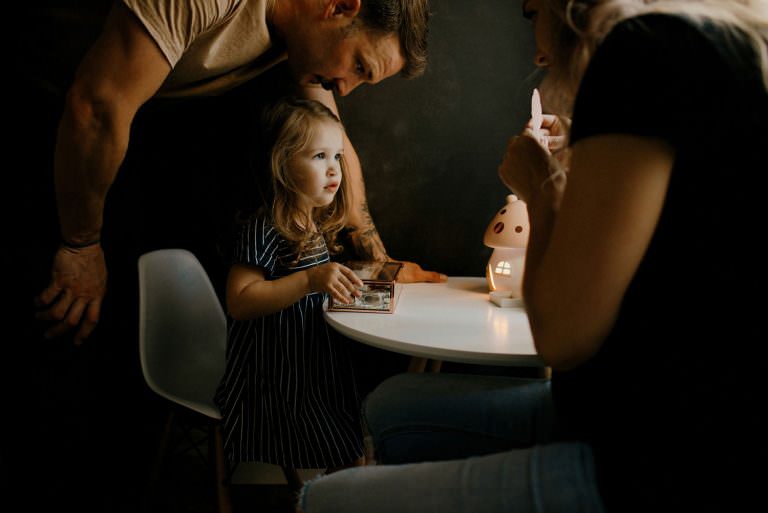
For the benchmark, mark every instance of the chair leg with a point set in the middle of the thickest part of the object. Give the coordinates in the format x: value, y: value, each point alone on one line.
x: 222, y: 477
x: 157, y: 466
x: 293, y: 478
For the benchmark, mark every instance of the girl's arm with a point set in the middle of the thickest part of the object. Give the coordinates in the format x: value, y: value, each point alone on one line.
x: 250, y: 294
x: 581, y: 259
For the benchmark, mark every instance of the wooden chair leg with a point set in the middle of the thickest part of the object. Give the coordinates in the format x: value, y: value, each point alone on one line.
x: 293, y: 478
x: 222, y: 477
x: 150, y: 494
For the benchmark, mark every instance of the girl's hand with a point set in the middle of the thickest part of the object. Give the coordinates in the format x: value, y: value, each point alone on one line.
x: 337, y: 280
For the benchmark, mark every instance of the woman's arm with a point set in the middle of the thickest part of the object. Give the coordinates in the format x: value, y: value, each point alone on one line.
x: 581, y: 259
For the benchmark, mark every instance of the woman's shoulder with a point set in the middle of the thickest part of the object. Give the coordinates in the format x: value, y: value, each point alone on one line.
x: 654, y: 29
x: 682, y: 35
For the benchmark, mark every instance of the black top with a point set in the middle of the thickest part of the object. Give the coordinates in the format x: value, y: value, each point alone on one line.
x: 670, y: 401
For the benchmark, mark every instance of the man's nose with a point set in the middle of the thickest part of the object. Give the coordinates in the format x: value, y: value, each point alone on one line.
x: 541, y: 60
x: 347, y: 85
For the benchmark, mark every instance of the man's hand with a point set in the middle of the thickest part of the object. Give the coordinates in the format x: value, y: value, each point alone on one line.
x: 413, y: 273
x: 77, y: 288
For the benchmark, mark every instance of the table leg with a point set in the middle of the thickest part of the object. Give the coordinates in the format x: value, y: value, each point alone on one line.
x: 417, y: 364
x: 435, y: 365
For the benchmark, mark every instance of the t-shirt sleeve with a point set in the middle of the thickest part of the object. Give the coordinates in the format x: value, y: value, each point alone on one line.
x: 642, y: 80
x: 174, y: 25
x: 257, y: 244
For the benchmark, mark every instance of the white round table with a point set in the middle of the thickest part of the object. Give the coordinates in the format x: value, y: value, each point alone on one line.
x: 451, y: 321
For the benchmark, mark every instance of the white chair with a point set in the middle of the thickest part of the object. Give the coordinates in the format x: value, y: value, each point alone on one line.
x: 182, y: 344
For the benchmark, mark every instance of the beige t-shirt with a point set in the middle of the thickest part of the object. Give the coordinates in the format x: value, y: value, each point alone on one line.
x: 212, y: 45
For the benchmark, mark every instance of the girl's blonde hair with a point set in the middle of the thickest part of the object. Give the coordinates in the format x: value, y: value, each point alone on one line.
x: 582, y: 24
x: 289, y: 128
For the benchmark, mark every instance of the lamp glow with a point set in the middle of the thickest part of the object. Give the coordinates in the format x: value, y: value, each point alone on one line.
x: 507, y: 234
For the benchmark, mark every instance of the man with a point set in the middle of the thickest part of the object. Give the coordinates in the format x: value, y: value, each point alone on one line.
x: 74, y: 406
x: 207, y: 46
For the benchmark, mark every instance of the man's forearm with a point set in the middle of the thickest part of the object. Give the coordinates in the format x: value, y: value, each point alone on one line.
x: 88, y: 155
x: 365, y: 238
x: 362, y: 232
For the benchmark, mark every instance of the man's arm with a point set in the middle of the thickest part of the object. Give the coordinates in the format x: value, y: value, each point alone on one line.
x: 365, y: 238
x: 120, y: 73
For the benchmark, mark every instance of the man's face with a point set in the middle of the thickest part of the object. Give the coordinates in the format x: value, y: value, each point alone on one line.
x: 339, y: 57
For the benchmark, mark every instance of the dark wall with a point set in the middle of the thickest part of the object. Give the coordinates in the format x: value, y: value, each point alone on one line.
x: 430, y: 147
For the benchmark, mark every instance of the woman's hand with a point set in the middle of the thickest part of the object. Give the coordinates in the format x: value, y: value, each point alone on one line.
x: 528, y: 168
x: 552, y: 134
x: 337, y: 280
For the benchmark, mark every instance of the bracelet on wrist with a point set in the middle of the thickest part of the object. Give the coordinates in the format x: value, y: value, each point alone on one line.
x: 72, y: 245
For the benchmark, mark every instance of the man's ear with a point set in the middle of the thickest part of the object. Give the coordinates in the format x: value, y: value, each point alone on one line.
x: 342, y: 8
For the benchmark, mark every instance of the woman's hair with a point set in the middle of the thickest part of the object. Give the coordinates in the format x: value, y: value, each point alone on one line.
x: 289, y: 127
x: 580, y: 25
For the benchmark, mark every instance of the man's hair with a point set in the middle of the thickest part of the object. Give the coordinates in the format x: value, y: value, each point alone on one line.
x: 409, y: 19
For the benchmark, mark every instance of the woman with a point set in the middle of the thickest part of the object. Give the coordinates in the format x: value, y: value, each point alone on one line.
x: 639, y: 282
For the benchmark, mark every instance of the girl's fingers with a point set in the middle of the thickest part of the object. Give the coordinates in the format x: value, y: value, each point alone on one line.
x: 353, y: 279
x: 342, y: 294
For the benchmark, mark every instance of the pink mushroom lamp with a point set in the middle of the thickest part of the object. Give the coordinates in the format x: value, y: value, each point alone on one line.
x: 507, y: 234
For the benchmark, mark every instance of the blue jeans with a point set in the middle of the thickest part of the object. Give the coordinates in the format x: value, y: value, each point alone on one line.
x: 455, y: 443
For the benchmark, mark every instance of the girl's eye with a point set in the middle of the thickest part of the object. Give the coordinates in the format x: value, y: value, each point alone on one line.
x: 337, y: 156
x: 320, y: 156
x: 359, y: 69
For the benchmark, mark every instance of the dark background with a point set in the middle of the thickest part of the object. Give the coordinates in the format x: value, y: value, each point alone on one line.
x: 430, y: 148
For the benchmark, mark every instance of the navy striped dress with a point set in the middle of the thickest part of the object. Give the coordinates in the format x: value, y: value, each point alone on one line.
x: 288, y: 396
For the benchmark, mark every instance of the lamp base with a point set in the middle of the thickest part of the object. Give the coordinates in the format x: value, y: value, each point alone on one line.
x: 504, y: 299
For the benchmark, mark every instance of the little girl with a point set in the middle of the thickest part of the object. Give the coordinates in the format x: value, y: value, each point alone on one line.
x: 288, y: 395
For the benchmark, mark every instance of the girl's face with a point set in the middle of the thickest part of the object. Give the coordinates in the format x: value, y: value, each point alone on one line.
x: 540, y: 14
x: 316, y: 170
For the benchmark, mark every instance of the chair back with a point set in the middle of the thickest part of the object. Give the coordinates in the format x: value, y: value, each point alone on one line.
x: 182, y: 330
